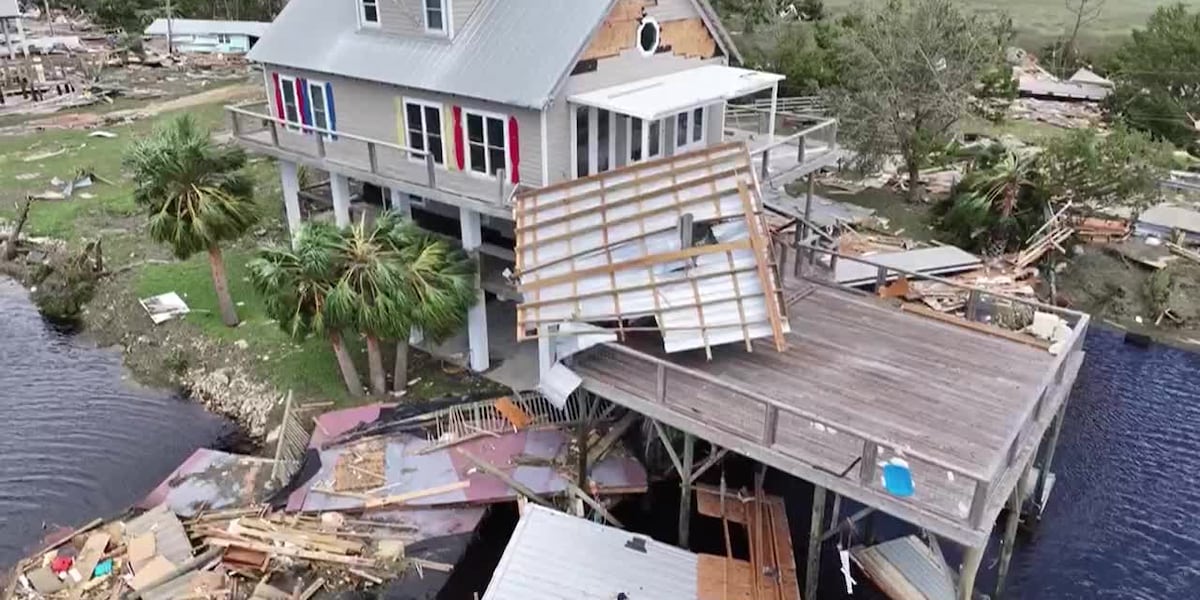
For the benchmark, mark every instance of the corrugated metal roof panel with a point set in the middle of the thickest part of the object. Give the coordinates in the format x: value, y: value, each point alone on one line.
x: 1035, y: 86
x: 511, y: 51
x: 931, y: 261
x: 1169, y: 217
x: 9, y: 8
x: 170, y: 539
x: 610, y: 247
x: 207, y: 27
x: 555, y: 556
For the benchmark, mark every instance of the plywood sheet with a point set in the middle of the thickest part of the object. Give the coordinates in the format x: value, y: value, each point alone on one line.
x: 360, y: 467
x: 721, y: 578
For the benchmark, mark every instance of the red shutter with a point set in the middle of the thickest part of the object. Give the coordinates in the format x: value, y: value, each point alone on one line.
x: 459, y: 146
x: 301, y: 105
x: 278, y: 97
x: 514, y: 149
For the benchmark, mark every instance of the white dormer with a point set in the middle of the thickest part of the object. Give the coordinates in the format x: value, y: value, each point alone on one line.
x: 368, y: 13
x: 435, y: 15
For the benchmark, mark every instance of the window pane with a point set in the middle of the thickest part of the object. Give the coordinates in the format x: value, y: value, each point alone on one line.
x: 477, y: 158
x: 681, y: 129
x: 496, y: 157
x: 370, y: 13
x: 415, y: 127
x: 435, y: 20
x: 435, y: 148
x: 495, y: 132
x: 416, y: 141
x: 655, y: 137
x: 433, y: 120
x: 316, y: 95
x: 475, y: 128
x: 581, y: 142
x: 697, y: 124
x: 635, y: 139
x: 602, y: 141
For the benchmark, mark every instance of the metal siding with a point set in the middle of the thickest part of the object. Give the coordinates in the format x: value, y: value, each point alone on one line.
x: 558, y: 143
x: 509, y: 51
x: 368, y: 109
x: 208, y: 27
x: 461, y: 12
x: 552, y: 556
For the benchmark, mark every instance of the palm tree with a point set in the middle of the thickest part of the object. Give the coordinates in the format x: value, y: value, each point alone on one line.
x: 196, y: 195
x: 986, y: 212
x: 437, y: 285
x: 296, y: 285
x: 367, y: 293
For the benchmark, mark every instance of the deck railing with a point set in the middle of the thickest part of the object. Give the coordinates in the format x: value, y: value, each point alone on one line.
x: 981, y: 308
x: 250, y: 125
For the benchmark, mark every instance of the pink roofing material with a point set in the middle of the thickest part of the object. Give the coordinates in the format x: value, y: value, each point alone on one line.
x: 211, y: 479
x: 407, y: 469
x: 334, y: 423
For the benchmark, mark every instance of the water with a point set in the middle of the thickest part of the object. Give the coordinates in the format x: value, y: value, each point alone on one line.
x: 77, y: 442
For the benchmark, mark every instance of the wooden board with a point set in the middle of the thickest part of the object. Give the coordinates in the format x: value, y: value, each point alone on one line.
x: 141, y: 549
x: 151, y: 572
x: 360, y: 467
x: 711, y: 578
x: 90, y: 555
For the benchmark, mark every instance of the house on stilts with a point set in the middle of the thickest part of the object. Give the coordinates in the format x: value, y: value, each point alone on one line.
x: 594, y: 158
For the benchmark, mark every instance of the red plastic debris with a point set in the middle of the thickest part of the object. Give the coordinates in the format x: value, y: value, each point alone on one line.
x: 61, y: 563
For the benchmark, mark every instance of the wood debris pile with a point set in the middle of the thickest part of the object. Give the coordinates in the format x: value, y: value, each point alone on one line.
x: 236, y: 553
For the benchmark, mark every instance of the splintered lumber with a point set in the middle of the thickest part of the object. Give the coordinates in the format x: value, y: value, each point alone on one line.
x: 312, y: 590
x: 431, y: 565
x: 598, y: 450
x: 1184, y: 252
x: 599, y: 508
x: 292, y: 552
x: 414, y: 495
x: 977, y: 326
x: 495, y: 471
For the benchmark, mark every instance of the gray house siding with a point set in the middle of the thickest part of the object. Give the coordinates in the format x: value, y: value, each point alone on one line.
x: 372, y: 109
x: 405, y: 17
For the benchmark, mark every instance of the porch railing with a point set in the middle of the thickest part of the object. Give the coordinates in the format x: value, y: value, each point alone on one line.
x: 260, y: 127
x: 981, y: 309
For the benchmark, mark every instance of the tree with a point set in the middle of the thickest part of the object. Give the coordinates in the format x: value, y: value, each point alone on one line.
x: 368, y: 293
x: 1157, y: 72
x: 1118, y: 168
x: 295, y: 285
x: 196, y: 195
x: 1083, y: 12
x: 908, y: 70
x: 805, y: 52
x: 997, y: 204
x: 436, y: 289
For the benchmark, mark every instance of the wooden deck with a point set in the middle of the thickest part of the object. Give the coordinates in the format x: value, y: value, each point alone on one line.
x: 861, y: 383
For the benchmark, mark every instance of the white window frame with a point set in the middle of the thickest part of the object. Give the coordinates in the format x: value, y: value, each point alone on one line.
x: 224, y: 38
x: 287, y: 82
x: 325, y: 99
x: 362, y: 13
x: 447, y: 19
x: 647, y: 21
x: 662, y: 124
x: 485, y: 115
x: 425, y: 126
x: 691, y: 141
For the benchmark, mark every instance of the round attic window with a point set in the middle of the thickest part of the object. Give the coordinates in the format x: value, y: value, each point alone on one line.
x: 648, y: 36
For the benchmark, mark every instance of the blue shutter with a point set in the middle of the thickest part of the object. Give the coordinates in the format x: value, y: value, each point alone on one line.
x: 330, y: 109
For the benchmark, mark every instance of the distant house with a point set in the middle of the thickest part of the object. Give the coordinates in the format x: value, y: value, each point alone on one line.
x: 199, y: 35
x: 10, y: 25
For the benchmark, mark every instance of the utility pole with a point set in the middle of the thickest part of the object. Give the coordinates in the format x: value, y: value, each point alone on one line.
x: 49, y: 18
x: 170, y: 44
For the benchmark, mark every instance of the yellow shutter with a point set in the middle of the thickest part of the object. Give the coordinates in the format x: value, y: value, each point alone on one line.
x: 401, y: 123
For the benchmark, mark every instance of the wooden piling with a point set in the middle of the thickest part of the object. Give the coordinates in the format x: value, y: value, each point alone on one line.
x: 685, y: 488
x: 1010, y: 530
x: 812, y: 572
x: 967, y: 572
x: 1051, y: 444
x: 808, y: 200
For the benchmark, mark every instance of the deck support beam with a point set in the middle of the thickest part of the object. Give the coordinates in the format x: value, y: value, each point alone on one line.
x: 289, y: 182
x: 477, y: 327
x: 339, y: 188
x: 685, y: 489
x: 968, y: 570
x: 1008, y: 543
x: 400, y: 202
x: 1050, y: 445
x: 808, y: 201
x: 816, y: 529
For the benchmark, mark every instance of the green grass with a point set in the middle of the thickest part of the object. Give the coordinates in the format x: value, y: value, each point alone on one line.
x: 1030, y: 132
x: 1041, y: 21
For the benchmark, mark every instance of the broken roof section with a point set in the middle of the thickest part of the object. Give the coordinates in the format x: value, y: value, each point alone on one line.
x: 553, y: 555
x: 679, y: 240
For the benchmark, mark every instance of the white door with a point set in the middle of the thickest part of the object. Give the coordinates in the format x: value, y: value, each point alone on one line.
x: 690, y: 127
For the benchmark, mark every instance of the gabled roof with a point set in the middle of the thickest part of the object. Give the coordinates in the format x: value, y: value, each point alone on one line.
x: 9, y: 8
x: 515, y: 52
x: 203, y: 27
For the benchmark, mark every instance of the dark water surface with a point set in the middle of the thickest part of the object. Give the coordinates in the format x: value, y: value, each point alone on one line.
x: 76, y: 441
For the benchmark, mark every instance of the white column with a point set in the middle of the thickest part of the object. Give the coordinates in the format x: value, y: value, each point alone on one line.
x: 339, y: 185
x: 477, y: 330
x: 400, y: 203
x: 290, y: 183
x: 21, y: 36
x: 593, y: 139
x: 774, y: 105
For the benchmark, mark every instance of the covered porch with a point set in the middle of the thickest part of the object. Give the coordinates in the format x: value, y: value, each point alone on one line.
x: 680, y: 112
